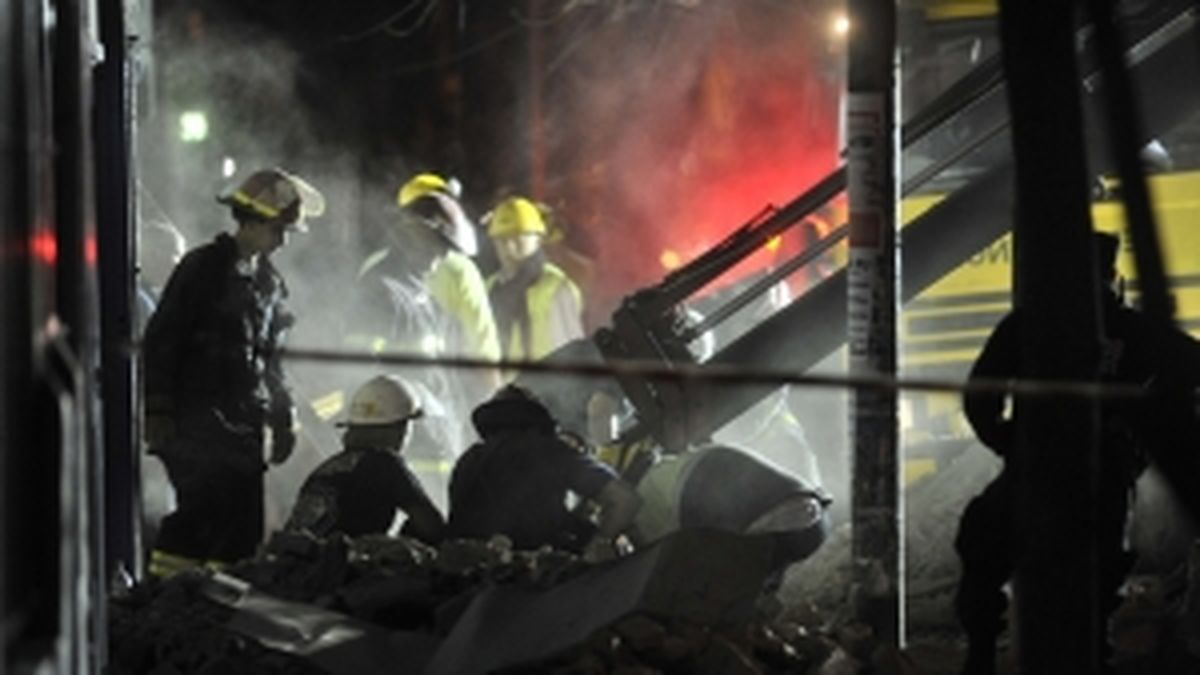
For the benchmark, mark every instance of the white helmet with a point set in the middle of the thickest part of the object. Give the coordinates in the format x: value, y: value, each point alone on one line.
x: 275, y: 193
x: 384, y: 399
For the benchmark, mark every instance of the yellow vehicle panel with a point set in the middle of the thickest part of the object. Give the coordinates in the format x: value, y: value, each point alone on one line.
x: 943, y: 329
x: 948, y: 322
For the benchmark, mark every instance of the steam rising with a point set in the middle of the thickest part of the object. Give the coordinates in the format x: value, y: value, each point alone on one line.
x: 663, y: 128
x: 678, y: 125
x: 249, y: 85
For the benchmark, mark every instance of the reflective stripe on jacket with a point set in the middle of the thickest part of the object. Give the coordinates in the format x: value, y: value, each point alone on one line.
x: 555, y: 307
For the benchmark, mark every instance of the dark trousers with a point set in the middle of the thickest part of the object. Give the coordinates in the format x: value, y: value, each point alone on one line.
x: 218, y: 481
x: 988, y: 545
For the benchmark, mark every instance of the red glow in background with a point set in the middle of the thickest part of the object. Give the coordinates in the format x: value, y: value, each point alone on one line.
x: 691, y: 130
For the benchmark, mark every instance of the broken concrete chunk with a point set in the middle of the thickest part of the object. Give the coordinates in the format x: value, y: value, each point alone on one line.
x: 333, y: 641
x: 673, y: 650
x: 840, y: 663
x: 367, y: 596
x: 467, y: 556
x: 394, y: 553
x: 723, y: 657
x: 293, y: 544
x: 857, y: 638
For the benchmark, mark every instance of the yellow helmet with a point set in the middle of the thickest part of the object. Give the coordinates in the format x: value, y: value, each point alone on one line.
x: 427, y: 194
x: 516, y: 215
x: 424, y: 184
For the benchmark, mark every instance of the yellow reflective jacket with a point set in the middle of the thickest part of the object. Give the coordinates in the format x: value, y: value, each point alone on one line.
x: 555, y: 307
x: 459, y: 288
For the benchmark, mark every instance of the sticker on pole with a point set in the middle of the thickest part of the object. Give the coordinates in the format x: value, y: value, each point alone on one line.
x: 865, y: 153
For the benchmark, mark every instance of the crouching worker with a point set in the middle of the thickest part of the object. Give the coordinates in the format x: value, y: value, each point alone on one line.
x: 358, y: 491
x: 515, y: 483
x: 729, y: 488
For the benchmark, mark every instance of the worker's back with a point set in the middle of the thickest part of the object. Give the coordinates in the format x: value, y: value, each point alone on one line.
x: 357, y: 492
x: 516, y: 480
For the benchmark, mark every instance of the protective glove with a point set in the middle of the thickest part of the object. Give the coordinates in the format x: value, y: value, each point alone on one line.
x: 283, y: 434
x: 158, y: 430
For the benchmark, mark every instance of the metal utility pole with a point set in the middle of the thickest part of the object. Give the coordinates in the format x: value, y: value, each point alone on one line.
x: 1124, y: 120
x: 113, y: 121
x: 873, y: 150
x: 1054, y: 467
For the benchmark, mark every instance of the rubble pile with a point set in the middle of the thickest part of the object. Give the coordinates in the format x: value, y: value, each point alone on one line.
x: 397, y: 582
x: 691, y: 604
x: 643, y: 644
x: 287, y: 610
x: 169, y: 628
x: 932, y: 510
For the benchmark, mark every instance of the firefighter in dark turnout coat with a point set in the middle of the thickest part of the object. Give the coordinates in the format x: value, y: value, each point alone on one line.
x: 215, y: 390
x: 515, y: 481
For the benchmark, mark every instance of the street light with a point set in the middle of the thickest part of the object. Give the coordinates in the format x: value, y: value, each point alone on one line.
x: 841, y: 25
x: 193, y: 126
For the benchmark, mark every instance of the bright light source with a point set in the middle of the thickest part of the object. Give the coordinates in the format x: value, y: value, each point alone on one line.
x: 841, y: 25
x: 431, y: 344
x: 670, y: 259
x: 193, y: 126
x: 774, y: 243
x: 228, y: 167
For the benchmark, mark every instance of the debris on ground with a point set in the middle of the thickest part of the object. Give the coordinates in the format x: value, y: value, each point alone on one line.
x: 691, y: 604
x: 686, y: 606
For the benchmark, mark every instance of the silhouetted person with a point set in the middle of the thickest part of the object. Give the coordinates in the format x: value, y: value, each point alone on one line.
x: 215, y: 383
x: 516, y: 480
x: 161, y: 247
x: 1134, y: 350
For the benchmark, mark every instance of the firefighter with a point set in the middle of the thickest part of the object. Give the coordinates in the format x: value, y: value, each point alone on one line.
x: 455, y: 281
x: 423, y: 292
x: 1134, y: 350
x: 215, y: 390
x: 394, y: 309
x: 538, y: 307
x: 516, y: 480
x: 431, y: 225
x: 161, y: 247
x: 358, y: 490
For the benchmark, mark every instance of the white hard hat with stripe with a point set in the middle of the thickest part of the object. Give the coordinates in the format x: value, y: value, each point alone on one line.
x: 271, y: 193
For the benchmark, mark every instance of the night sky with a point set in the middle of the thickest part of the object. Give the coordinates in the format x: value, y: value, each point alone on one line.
x: 653, y: 128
